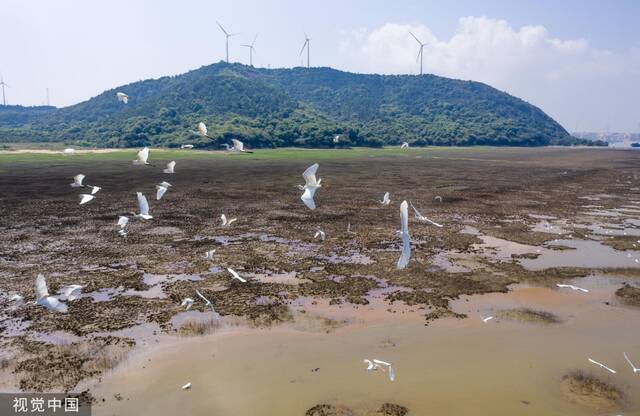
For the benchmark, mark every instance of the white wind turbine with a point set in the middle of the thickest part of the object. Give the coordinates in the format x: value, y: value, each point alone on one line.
x: 3, y: 85
x: 252, y: 49
x: 306, y: 44
x: 420, y: 52
x: 227, y: 36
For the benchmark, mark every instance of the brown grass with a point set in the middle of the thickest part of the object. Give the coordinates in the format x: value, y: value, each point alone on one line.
x: 530, y: 315
x: 193, y: 328
x: 590, y: 391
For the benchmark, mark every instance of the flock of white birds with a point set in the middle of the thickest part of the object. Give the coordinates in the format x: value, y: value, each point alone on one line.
x: 310, y: 187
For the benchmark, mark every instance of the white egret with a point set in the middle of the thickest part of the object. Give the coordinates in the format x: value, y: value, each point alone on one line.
x: 238, y: 146
x: 187, y: 303
x: 370, y: 365
x: 71, y: 292
x: 227, y: 222
x: 406, y: 239
x: 438, y: 198
x: 602, y: 365
x: 209, y: 254
x: 572, y: 287
x: 336, y: 138
x: 404, y: 145
x: 44, y: 299
x: 170, y: 167
x: 142, y: 157
x: 77, y: 181
x: 320, y: 234
x: 161, y: 189
x: 186, y: 146
x: 486, y: 319
x: 123, y: 221
x: 379, y: 364
x: 235, y: 275
x: 186, y: 386
x: 202, y: 130
x: 17, y: 299
x: 310, y: 186
x: 422, y: 218
x: 633, y: 367
x: 122, y: 97
x: 207, y: 302
x: 385, y: 199
x: 94, y: 189
x: 69, y: 151
x: 143, y: 206
x: 84, y: 198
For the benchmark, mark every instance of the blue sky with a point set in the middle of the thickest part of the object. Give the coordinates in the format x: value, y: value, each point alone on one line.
x: 577, y: 60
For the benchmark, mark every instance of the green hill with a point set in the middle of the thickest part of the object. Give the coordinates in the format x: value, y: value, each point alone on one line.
x: 290, y: 107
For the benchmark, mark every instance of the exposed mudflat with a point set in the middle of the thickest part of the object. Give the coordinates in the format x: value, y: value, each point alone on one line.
x: 511, y: 216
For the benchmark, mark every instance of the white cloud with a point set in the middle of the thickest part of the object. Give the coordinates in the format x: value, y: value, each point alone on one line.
x: 568, y: 78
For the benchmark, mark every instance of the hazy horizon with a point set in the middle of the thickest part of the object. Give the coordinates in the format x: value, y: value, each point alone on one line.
x: 578, y: 61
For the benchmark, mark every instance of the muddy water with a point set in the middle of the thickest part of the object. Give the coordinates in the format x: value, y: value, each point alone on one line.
x: 452, y: 367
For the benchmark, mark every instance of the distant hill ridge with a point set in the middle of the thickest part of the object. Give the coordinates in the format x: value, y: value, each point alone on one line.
x: 290, y: 107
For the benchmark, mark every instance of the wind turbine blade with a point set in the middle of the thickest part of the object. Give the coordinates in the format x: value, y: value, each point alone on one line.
x: 303, y: 46
x: 221, y: 28
x: 414, y: 36
x: 254, y: 40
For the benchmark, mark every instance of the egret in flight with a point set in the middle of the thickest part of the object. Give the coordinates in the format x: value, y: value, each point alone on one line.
x: 186, y: 146
x: 202, y: 130
x: 633, y: 367
x: 122, y: 97
x: 238, y: 146
x: 186, y: 386
x: 122, y: 223
x: 406, y: 239
x: 143, y: 206
x: 44, y: 299
x: 422, y: 218
x: 602, y: 365
x: 17, y: 299
x: 487, y: 319
x: 161, y: 189
x: 310, y: 186
x: 207, y: 302
x: 227, y: 222
x: 187, y: 303
x: 385, y: 199
x: 84, y: 198
x: 170, y: 167
x: 209, y: 254
x: 94, y: 189
x: 142, y: 157
x: 71, y: 292
x: 77, y: 181
x: 572, y: 287
x: 404, y: 145
x: 320, y: 234
x: 235, y: 275
x: 69, y: 151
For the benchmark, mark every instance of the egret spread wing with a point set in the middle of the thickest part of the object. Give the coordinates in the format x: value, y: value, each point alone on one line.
x: 392, y: 373
x: 202, y: 129
x: 143, y: 155
x: 309, y: 175
x: 123, y: 221
x: 307, y: 197
x: 143, y: 204
x: 84, y: 198
x: 54, y: 304
x: 160, y: 192
x: 41, y: 287
x: 404, y: 218
x: 238, y: 145
x: 170, y: 167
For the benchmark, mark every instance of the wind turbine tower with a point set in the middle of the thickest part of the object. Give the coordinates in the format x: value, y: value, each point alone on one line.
x: 3, y: 84
x: 420, y: 54
x: 227, y: 35
x: 306, y: 44
x: 48, y: 103
x: 251, y: 49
